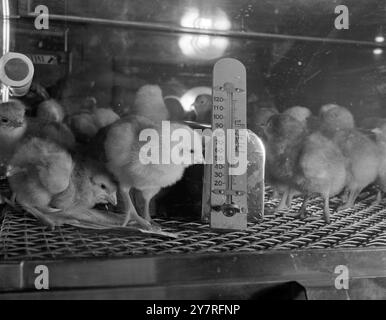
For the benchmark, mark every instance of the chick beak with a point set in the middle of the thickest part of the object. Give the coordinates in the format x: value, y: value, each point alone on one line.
x: 112, y: 198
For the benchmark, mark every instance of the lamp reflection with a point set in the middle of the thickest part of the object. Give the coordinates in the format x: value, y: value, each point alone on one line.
x: 204, y: 46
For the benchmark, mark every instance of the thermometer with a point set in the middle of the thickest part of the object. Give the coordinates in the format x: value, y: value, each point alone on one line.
x: 228, y: 180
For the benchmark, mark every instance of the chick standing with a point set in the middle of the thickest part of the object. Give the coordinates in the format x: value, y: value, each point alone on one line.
x: 308, y: 163
x: 360, y: 152
x: 122, y: 150
x: 321, y: 171
x: 52, y: 185
x: 284, y: 137
x: 380, y: 138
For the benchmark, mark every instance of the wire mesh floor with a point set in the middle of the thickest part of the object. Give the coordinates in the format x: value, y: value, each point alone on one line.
x: 23, y: 238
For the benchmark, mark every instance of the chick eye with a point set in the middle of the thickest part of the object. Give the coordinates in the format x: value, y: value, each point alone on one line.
x: 191, y: 151
x: 4, y: 120
x: 103, y: 187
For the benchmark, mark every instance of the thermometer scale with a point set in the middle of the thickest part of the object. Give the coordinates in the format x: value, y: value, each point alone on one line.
x: 228, y: 186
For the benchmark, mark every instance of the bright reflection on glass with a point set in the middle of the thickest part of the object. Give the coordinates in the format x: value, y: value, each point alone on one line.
x: 379, y: 39
x: 377, y: 51
x: 190, y: 96
x: 203, y: 46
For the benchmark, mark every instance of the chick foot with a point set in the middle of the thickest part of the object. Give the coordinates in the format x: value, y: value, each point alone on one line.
x: 379, y: 198
x: 353, y: 194
x: 302, y: 211
x: 51, y: 220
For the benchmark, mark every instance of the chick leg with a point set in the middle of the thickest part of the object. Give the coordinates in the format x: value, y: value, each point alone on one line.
x: 131, y: 212
x: 326, y: 211
x: 378, y: 200
x: 283, y: 201
x: 275, y: 194
x: 302, y: 211
x: 291, y: 195
x: 345, y: 195
x: 148, y: 194
x: 39, y: 215
x: 353, y: 195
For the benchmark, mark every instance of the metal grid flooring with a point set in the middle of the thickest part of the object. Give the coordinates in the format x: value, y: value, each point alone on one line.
x: 22, y: 238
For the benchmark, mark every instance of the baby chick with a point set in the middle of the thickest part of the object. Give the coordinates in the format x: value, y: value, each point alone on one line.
x: 380, y: 138
x: 203, y: 105
x: 284, y: 138
x: 12, y: 127
x: 259, y: 120
x: 90, y: 119
x: 122, y: 148
x: 299, y: 113
x: 321, y: 170
x: 335, y: 118
x: 48, y: 182
x: 50, y: 110
x: 301, y: 162
x: 15, y: 126
x: 177, y: 111
x: 82, y: 125
x: 149, y: 103
x: 360, y: 152
x: 55, y: 131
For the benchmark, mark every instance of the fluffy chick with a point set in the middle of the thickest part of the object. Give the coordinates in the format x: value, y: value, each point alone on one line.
x: 334, y: 118
x: 299, y: 113
x: 307, y: 163
x: 12, y: 127
x: 284, y: 137
x: 380, y: 139
x: 15, y: 126
x: 83, y: 125
x: 321, y: 170
x: 259, y: 120
x: 55, y: 131
x: 360, y: 152
x: 50, y: 110
x: 123, y: 148
x: 203, y: 106
x: 48, y: 182
x: 90, y: 119
x: 149, y: 103
x: 177, y: 111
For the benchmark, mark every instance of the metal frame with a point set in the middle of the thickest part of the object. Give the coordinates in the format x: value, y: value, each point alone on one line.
x: 201, y: 276
x: 162, y: 27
